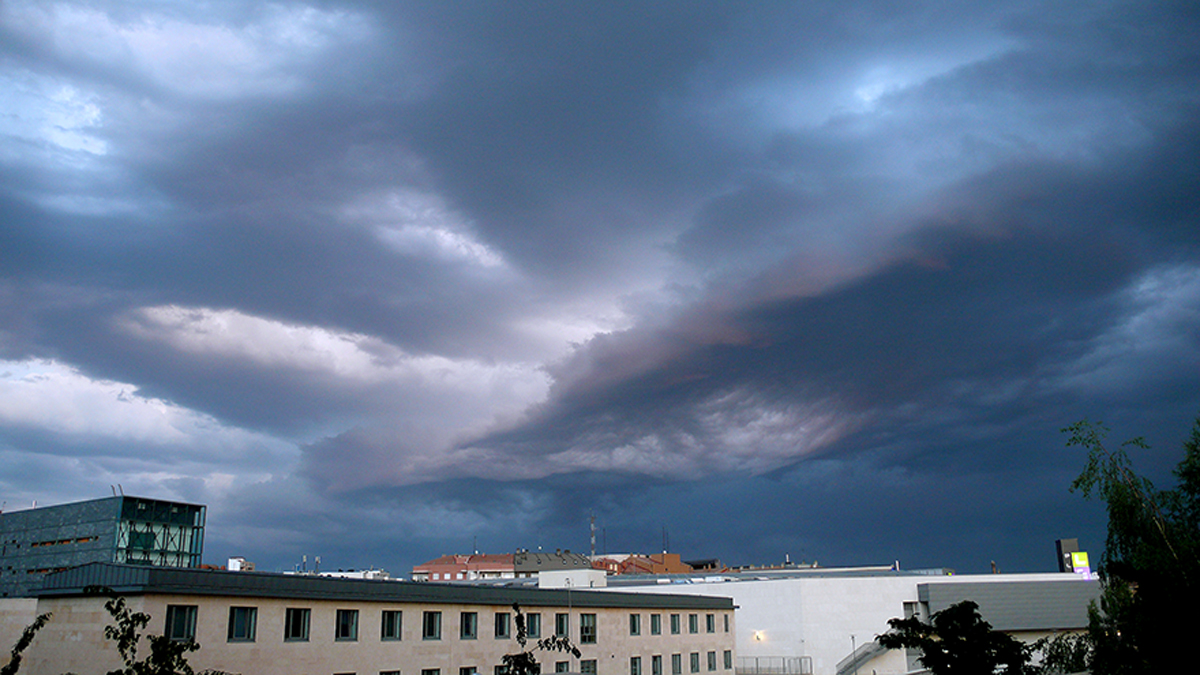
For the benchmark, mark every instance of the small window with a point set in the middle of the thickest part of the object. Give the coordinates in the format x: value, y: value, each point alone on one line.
x: 389, y: 672
x: 467, y: 670
x: 562, y: 666
x: 693, y: 623
x: 726, y: 618
x: 181, y: 623
x: 656, y: 624
x: 533, y: 625
x: 431, y: 626
x: 710, y: 623
x: 468, y: 625
x: 677, y: 664
x: 393, y: 624
x: 241, y: 623
x: 587, y: 629
x: 635, y: 665
x: 503, y: 625
x: 674, y: 624
x: 432, y: 671
x: 635, y: 624
x: 728, y: 659
x: 656, y: 665
x: 295, y: 624
x: 694, y: 658
x: 562, y: 625
x: 712, y: 661
x: 346, y: 627
x: 587, y: 667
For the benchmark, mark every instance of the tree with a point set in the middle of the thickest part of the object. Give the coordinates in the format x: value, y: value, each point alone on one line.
x: 957, y: 641
x: 14, y: 663
x: 523, y: 662
x: 1150, y: 567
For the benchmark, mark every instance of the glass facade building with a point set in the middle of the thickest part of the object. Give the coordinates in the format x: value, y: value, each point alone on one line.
x: 120, y: 529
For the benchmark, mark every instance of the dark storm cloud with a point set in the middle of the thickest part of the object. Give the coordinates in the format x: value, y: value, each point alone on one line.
x: 629, y: 257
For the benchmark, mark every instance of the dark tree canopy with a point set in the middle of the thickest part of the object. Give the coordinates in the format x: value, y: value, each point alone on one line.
x: 1150, y: 567
x: 957, y: 641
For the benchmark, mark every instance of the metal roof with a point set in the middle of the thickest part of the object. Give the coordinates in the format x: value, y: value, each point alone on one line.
x: 1019, y: 605
x: 139, y: 580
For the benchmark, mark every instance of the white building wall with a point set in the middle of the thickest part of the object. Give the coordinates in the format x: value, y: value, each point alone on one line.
x: 822, y: 618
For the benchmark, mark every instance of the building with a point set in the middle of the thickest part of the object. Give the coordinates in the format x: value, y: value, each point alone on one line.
x: 532, y: 563
x: 823, y: 621
x: 271, y: 624
x: 117, y: 529
x: 636, y: 563
x: 466, y: 567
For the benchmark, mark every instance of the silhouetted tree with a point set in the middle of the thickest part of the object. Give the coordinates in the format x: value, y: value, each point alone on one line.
x: 523, y: 662
x: 23, y: 642
x: 1150, y: 567
x: 957, y: 641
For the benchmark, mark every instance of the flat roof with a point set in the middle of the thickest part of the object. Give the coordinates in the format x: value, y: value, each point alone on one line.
x: 144, y: 580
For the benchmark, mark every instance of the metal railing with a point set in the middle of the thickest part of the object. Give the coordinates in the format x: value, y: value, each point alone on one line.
x: 774, y: 665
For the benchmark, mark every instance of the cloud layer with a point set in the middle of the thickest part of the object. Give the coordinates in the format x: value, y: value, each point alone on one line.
x: 379, y: 282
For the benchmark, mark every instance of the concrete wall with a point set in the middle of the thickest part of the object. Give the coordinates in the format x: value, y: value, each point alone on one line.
x: 74, y: 640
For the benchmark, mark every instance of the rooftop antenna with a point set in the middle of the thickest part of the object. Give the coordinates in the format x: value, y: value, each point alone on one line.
x: 593, y: 532
x: 114, y: 489
x: 666, y: 540
x: 121, y: 489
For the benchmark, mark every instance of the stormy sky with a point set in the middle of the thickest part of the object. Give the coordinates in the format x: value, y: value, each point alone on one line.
x: 382, y: 281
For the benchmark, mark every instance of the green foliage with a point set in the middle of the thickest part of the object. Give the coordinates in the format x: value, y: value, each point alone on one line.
x: 1150, y: 568
x: 1064, y: 653
x: 523, y: 662
x: 166, y: 657
x: 957, y: 641
x: 23, y: 643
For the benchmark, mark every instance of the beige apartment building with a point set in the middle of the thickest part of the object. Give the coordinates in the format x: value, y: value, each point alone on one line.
x: 270, y: 624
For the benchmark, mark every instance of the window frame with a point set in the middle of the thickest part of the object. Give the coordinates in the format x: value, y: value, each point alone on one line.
x: 635, y: 665
x: 712, y: 661
x: 656, y: 624
x: 180, y: 623
x: 431, y: 625
x: 533, y: 624
x: 693, y: 624
x: 677, y: 664
x: 297, y: 618
x: 562, y: 624
x: 635, y: 624
x: 248, y: 623
x: 502, y: 626
x: 694, y: 662
x: 468, y: 625
x: 587, y: 629
x: 656, y: 664
x: 345, y: 625
x: 675, y: 624
x: 397, y: 625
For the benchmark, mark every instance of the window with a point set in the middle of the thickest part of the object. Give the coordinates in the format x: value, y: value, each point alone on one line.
x: 503, y: 625
x: 433, y: 671
x: 656, y: 665
x: 677, y: 664
x: 710, y: 623
x: 712, y: 661
x: 181, y: 622
x: 726, y: 618
x: 392, y: 624
x: 635, y: 624
x: 656, y: 624
x: 467, y: 670
x: 635, y: 665
x: 674, y: 624
x: 431, y: 626
x: 295, y: 624
x: 587, y: 629
x: 389, y: 672
x: 346, y: 626
x: 728, y: 659
x: 693, y: 623
x: 588, y: 667
x: 241, y: 623
x: 562, y: 666
x: 694, y: 659
x: 533, y: 625
x: 468, y: 625
x: 562, y: 625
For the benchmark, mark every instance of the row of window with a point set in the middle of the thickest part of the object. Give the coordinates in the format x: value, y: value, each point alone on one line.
x: 710, y: 623
x: 656, y: 663
x: 242, y: 625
